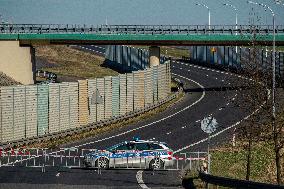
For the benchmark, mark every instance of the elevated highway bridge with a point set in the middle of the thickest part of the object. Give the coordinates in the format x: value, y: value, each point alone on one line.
x: 151, y: 35
x: 17, y: 40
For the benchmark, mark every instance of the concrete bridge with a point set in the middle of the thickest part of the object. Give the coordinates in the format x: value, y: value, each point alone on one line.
x: 17, y: 41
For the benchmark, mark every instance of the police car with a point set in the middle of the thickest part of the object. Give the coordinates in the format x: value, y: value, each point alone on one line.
x: 132, y: 154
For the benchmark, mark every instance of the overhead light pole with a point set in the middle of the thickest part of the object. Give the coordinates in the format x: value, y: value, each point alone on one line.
x: 236, y: 18
x: 273, y: 59
x: 209, y: 14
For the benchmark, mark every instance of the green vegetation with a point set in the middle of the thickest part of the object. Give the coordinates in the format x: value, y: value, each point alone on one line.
x: 66, y: 61
x: 230, y: 162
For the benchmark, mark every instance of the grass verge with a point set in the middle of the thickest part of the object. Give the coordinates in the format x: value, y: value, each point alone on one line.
x: 170, y: 51
x: 66, y: 61
x: 230, y: 162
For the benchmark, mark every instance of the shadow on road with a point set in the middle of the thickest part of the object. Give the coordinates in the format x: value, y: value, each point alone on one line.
x: 216, y: 89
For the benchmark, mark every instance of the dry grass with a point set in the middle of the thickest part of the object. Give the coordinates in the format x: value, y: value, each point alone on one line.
x: 169, y: 51
x: 66, y: 61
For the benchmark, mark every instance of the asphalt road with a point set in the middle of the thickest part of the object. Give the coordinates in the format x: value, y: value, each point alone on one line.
x: 208, y: 92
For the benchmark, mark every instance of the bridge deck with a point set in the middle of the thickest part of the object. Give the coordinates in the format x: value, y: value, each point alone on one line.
x: 141, y: 35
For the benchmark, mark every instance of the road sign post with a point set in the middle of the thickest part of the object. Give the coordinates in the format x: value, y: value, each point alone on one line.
x: 209, y: 125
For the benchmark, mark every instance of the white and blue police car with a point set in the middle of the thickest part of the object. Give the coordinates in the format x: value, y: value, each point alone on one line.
x: 143, y: 154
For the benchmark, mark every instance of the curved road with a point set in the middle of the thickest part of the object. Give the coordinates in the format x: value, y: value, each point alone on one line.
x: 208, y: 92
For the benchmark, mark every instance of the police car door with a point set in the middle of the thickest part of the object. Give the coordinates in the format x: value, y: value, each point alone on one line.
x: 119, y: 156
x: 142, y: 154
x: 123, y: 156
x: 130, y: 154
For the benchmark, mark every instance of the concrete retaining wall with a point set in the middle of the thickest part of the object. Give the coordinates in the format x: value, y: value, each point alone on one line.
x: 17, y: 62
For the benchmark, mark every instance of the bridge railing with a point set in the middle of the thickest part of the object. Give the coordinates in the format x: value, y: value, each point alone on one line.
x: 138, y: 29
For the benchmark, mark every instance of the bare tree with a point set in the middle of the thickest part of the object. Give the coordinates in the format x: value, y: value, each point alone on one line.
x: 255, y: 94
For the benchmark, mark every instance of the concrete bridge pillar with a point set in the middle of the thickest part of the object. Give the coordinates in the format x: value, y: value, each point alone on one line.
x: 17, y: 62
x: 154, y: 54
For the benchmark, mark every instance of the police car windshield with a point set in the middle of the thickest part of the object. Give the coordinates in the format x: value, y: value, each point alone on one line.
x: 114, y: 147
x: 122, y: 146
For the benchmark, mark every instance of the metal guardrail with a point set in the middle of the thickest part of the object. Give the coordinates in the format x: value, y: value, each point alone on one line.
x: 137, y: 29
x: 234, y: 183
x: 48, y: 76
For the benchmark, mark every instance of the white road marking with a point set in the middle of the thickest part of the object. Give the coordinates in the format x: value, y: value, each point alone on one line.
x: 138, y: 128
x: 169, y: 133
x: 98, y: 47
x: 149, y: 124
x: 220, y: 109
x: 140, y: 180
x: 57, y: 175
x: 222, y: 131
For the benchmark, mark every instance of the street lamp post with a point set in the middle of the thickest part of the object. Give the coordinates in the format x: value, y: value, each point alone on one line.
x: 236, y: 19
x: 209, y: 14
x: 273, y: 60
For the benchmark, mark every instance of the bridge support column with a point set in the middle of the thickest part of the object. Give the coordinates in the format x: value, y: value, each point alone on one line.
x: 17, y: 62
x: 154, y: 54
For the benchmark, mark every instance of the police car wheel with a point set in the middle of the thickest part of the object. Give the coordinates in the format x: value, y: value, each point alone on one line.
x: 102, y: 163
x: 156, y: 164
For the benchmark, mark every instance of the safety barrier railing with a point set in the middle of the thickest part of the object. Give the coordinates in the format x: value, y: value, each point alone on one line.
x: 137, y: 29
x: 100, y: 159
x: 48, y: 76
x: 235, y: 183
